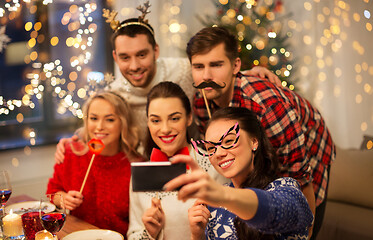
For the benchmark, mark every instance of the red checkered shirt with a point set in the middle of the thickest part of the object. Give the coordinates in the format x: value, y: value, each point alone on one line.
x: 295, y: 128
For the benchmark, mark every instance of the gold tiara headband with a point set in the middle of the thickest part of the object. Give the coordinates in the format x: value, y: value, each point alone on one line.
x: 115, y: 24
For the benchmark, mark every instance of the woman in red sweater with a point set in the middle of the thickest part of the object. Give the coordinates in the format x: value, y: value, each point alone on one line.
x: 104, y: 201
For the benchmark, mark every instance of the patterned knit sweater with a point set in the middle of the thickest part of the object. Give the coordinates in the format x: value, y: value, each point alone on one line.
x: 283, y: 211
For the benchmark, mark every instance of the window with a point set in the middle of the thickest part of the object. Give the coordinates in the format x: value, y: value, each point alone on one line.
x: 44, y: 69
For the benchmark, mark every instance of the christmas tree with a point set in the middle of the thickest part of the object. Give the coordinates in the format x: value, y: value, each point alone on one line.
x: 258, y: 25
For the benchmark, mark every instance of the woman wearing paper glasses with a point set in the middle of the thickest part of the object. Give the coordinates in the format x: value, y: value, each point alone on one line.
x: 257, y: 204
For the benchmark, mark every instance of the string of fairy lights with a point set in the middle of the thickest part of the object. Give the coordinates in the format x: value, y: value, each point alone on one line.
x: 170, y: 29
x: 79, y: 22
x: 337, y: 22
x: 10, y: 11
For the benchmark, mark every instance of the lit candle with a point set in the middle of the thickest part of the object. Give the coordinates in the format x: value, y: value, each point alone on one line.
x: 43, y: 235
x: 12, y: 225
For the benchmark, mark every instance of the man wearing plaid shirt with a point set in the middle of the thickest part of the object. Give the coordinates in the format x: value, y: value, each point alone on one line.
x: 295, y: 128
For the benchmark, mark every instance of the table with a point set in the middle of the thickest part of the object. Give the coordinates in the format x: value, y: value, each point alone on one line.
x: 72, y: 224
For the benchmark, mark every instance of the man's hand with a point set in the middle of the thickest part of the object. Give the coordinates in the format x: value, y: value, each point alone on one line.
x: 263, y: 72
x: 154, y: 218
x: 59, y: 155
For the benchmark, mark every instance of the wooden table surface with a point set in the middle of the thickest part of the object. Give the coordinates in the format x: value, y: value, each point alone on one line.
x: 72, y: 224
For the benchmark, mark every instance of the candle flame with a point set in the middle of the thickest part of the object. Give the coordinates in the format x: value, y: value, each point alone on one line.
x: 11, y: 211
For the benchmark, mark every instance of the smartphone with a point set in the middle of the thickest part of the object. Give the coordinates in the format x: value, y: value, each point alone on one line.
x: 152, y: 176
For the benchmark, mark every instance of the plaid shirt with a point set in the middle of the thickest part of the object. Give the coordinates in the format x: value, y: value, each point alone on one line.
x: 295, y: 128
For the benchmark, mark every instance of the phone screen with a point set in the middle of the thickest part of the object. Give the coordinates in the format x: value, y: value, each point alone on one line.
x: 152, y: 176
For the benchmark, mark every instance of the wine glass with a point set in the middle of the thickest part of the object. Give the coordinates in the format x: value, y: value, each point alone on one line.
x: 52, y: 221
x: 5, y: 189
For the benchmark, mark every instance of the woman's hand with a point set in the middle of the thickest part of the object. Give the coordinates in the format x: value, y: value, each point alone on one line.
x: 198, y: 216
x: 72, y: 199
x: 154, y: 218
x: 197, y: 184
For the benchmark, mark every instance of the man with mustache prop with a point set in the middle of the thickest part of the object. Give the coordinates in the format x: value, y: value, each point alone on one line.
x: 295, y: 128
x: 204, y: 85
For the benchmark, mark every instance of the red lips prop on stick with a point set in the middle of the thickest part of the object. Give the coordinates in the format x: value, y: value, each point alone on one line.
x: 95, y: 146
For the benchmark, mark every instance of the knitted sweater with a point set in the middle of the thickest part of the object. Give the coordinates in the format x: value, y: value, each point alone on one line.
x: 106, y: 191
x: 283, y: 210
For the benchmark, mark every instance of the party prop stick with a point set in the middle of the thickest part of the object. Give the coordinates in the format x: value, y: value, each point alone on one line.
x: 194, y: 151
x: 206, y: 103
x: 94, y: 151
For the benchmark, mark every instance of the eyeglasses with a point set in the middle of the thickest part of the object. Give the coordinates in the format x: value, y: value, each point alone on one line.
x: 227, y: 141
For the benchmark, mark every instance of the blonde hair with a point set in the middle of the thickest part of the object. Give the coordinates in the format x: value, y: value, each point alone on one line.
x: 129, y: 137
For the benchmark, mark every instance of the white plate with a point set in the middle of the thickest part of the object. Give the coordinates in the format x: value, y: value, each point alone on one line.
x: 94, y: 234
x: 30, y: 206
